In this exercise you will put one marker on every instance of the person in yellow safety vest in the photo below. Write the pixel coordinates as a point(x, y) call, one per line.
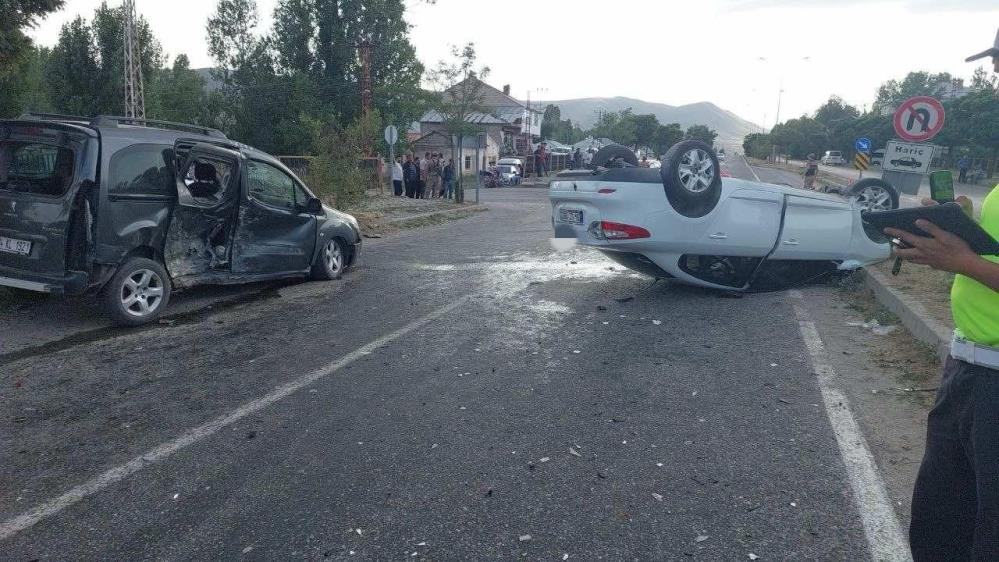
point(955, 504)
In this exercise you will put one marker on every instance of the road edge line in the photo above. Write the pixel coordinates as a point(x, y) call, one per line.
point(881, 526)
point(751, 170)
point(26, 520)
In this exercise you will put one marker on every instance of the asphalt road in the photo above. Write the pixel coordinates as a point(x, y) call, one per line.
point(467, 393)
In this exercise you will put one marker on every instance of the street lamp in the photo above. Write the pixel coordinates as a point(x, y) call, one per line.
point(780, 89)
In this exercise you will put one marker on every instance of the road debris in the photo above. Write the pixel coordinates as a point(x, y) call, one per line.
point(424, 543)
point(625, 299)
point(544, 459)
point(701, 538)
point(753, 556)
point(247, 549)
point(574, 452)
point(565, 556)
point(658, 497)
point(525, 538)
point(167, 321)
point(874, 326)
point(657, 322)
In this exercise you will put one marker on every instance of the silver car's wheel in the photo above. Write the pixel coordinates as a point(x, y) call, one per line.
point(696, 170)
point(142, 293)
point(874, 199)
point(873, 194)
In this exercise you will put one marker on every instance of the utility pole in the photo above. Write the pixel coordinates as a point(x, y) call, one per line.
point(364, 50)
point(135, 98)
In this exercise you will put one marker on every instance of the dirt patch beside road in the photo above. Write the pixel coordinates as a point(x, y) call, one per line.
point(385, 213)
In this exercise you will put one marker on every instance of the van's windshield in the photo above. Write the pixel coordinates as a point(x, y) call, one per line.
point(37, 161)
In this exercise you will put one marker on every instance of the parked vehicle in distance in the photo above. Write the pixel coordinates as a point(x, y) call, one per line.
point(833, 158)
point(130, 209)
point(686, 222)
point(909, 162)
point(510, 171)
point(878, 157)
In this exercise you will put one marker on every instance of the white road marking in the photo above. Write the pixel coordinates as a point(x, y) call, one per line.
point(884, 534)
point(751, 170)
point(52, 507)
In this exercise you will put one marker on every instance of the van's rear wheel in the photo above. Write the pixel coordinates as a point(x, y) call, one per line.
point(138, 293)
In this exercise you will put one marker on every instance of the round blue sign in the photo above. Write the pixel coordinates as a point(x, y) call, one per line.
point(863, 144)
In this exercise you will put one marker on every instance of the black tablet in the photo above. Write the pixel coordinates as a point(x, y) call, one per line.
point(949, 217)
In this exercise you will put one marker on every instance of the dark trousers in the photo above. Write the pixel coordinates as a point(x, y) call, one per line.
point(421, 189)
point(962, 176)
point(410, 188)
point(397, 187)
point(955, 506)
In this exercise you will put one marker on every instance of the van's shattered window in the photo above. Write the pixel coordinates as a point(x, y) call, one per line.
point(34, 167)
point(207, 180)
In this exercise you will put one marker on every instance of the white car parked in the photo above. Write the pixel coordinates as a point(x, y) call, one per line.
point(686, 222)
point(833, 158)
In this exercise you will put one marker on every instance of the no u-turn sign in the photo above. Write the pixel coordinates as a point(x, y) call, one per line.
point(919, 119)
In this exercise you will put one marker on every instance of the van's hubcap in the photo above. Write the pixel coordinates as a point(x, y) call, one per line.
point(334, 257)
point(142, 293)
point(696, 170)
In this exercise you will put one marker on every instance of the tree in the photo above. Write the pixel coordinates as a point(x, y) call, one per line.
point(551, 121)
point(459, 95)
point(892, 93)
point(701, 133)
point(666, 136)
point(18, 57)
point(757, 145)
point(834, 112)
point(73, 69)
point(180, 92)
point(645, 129)
point(333, 173)
point(982, 80)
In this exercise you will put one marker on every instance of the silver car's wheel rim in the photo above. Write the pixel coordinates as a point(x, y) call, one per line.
point(696, 170)
point(874, 199)
point(333, 257)
point(142, 293)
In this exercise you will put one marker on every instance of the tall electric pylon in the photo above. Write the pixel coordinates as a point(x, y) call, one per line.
point(135, 98)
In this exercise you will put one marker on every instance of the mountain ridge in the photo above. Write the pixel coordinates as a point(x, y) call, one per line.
point(730, 127)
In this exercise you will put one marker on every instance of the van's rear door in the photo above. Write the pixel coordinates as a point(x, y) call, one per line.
point(42, 166)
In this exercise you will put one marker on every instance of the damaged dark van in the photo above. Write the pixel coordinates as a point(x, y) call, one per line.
point(130, 210)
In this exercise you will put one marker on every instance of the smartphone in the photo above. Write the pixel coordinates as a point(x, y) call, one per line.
point(942, 186)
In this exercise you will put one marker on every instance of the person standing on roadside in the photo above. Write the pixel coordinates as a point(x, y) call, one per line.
point(577, 159)
point(955, 503)
point(962, 168)
point(411, 174)
point(397, 176)
point(811, 171)
point(434, 173)
point(447, 175)
point(423, 166)
point(541, 160)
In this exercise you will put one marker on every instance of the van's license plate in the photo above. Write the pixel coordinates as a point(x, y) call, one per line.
point(571, 216)
point(15, 246)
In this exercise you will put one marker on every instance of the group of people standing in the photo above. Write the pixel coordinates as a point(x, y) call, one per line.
point(423, 178)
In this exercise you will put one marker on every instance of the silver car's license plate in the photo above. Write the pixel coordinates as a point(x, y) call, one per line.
point(571, 216)
point(15, 246)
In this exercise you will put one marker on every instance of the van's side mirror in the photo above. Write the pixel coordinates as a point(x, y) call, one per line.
point(314, 206)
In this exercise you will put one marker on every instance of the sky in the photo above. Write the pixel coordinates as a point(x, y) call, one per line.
point(738, 54)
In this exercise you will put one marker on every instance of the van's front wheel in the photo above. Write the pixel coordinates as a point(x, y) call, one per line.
point(138, 292)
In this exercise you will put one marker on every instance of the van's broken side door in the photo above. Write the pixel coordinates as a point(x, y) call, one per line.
point(199, 240)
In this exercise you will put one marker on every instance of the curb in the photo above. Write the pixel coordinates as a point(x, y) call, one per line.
point(474, 208)
point(912, 314)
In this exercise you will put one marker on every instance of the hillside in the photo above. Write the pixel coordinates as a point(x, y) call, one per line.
point(731, 128)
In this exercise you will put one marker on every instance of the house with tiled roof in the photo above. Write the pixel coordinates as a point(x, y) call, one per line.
point(508, 125)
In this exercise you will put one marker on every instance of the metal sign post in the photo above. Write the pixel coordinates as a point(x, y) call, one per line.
point(862, 160)
point(391, 137)
point(916, 121)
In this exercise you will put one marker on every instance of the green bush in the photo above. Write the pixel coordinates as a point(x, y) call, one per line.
point(335, 173)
